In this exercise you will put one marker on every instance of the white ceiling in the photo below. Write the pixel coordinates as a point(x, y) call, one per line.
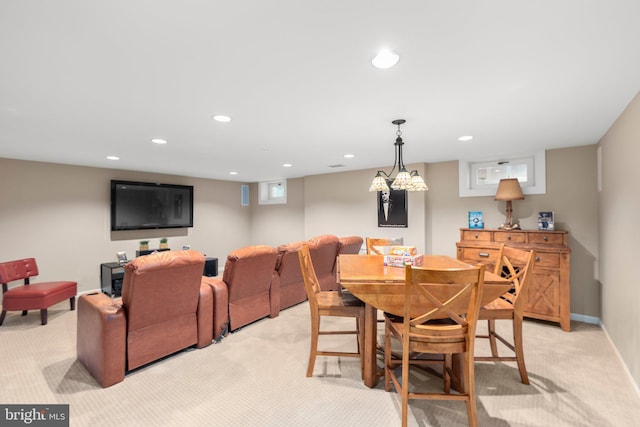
point(81, 80)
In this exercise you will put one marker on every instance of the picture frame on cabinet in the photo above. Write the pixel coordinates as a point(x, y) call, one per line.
point(475, 219)
point(545, 221)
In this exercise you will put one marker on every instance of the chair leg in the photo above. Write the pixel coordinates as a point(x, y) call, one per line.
point(2, 316)
point(387, 359)
point(517, 340)
point(404, 387)
point(315, 331)
point(43, 316)
point(491, 325)
point(24, 312)
point(446, 373)
point(470, 389)
point(72, 303)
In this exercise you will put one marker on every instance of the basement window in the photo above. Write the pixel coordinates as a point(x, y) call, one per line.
point(481, 178)
point(273, 192)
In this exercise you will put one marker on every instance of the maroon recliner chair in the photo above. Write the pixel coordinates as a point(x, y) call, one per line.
point(164, 308)
point(252, 281)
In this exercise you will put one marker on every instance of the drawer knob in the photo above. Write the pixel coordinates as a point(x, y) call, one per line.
point(508, 236)
point(483, 254)
point(537, 258)
point(545, 238)
point(476, 235)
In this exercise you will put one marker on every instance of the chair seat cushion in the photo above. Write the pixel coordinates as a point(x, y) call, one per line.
point(38, 295)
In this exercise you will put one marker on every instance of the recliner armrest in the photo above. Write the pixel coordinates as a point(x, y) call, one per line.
point(101, 337)
point(205, 316)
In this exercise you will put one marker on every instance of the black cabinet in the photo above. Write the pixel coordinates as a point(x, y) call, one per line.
point(111, 275)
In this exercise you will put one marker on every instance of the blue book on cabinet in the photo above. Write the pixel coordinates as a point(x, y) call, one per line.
point(475, 220)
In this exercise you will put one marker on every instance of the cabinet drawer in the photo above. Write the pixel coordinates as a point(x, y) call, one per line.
point(482, 255)
point(508, 237)
point(546, 259)
point(546, 238)
point(482, 236)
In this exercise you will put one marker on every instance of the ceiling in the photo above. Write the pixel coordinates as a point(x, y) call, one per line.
point(81, 80)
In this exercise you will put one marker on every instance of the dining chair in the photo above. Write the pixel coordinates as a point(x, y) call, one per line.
point(329, 303)
point(516, 265)
point(440, 313)
point(373, 245)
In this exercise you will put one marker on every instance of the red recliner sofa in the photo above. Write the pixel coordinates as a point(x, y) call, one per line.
point(164, 308)
point(253, 284)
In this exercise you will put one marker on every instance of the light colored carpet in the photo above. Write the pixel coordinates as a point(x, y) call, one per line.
point(256, 377)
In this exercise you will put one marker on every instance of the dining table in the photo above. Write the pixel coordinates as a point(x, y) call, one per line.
point(379, 287)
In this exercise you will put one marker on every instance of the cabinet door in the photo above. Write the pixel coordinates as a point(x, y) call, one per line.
point(543, 294)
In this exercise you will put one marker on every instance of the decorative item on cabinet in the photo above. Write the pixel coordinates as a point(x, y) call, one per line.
point(548, 296)
point(164, 243)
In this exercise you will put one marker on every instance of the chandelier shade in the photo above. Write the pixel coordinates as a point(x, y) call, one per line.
point(405, 180)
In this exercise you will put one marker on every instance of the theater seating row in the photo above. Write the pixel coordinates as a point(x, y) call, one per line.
point(152, 320)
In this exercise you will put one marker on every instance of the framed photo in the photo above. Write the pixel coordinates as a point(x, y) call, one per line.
point(545, 221)
point(475, 219)
point(392, 208)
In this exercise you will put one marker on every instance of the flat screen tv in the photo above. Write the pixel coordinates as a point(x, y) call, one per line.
point(145, 205)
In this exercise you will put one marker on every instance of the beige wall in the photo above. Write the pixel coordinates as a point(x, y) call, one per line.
point(619, 205)
point(60, 215)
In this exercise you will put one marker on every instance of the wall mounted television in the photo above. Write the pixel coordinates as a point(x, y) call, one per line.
point(145, 205)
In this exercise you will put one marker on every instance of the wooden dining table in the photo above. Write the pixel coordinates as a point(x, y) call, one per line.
point(378, 286)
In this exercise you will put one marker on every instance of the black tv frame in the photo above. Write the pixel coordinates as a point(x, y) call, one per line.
point(150, 185)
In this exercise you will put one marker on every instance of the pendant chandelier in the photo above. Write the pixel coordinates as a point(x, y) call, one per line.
point(409, 181)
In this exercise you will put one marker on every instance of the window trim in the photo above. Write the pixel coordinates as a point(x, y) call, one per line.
point(537, 184)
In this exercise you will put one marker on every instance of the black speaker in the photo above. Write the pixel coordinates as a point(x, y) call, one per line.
point(211, 267)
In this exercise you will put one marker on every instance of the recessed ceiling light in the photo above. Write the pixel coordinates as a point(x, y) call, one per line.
point(233, 173)
point(385, 59)
point(158, 141)
point(287, 165)
point(465, 138)
point(222, 118)
point(113, 157)
point(349, 156)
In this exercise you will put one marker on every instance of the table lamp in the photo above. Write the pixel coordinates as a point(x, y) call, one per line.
point(508, 190)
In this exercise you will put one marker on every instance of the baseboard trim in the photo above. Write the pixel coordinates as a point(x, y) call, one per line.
point(586, 319)
point(622, 362)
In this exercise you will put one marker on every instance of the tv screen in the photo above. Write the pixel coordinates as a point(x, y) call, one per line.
point(142, 205)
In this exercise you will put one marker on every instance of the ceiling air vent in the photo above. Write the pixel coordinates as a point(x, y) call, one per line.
point(336, 166)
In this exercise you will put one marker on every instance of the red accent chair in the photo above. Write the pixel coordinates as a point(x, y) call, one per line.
point(32, 296)
point(165, 307)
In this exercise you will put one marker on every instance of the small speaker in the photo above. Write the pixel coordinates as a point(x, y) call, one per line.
point(211, 267)
point(244, 195)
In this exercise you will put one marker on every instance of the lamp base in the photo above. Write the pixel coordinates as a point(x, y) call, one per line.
point(509, 227)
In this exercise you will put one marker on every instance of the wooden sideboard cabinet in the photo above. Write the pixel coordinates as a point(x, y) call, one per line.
point(547, 297)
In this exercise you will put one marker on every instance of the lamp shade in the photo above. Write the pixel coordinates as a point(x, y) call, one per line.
point(509, 189)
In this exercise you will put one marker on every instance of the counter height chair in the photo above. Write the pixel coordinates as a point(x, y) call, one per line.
point(516, 265)
point(329, 303)
point(452, 300)
point(374, 245)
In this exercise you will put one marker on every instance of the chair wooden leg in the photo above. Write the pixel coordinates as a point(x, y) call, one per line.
point(315, 331)
point(517, 340)
point(404, 387)
point(491, 325)
point(387, 360)
point(43, 316)
point(446, 372)
point(2, 316)
point(470, 389)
